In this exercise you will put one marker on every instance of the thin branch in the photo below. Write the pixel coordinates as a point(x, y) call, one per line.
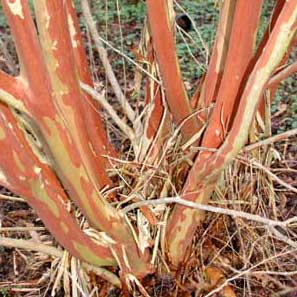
point(282, 273)
point(270, 140)
point(130, 60)
point(54, 252)
point(276, 178)
point(283, 74)
point(8, 197)
point(248, 148)
point(31, 246)
point(21, 229)
point(247, 271)
point(106, 64)
point(122, 125)
point(282, 237)
point(224, 211)
point(197, 31)
point(104, 273)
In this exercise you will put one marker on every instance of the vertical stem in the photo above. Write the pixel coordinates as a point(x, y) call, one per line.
point(218, 59)
point(97, 134)
point(164, 45)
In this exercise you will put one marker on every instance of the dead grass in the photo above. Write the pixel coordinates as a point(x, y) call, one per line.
point(245, 254)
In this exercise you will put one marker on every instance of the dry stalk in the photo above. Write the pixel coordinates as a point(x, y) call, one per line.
point(270, 140)
point(224, 211)
point(122, 125)
point(21, 229)
point(52, 251)
point(247, 271)
point(272, 175)
point(11, 198)
point(282, 74)
point(106, 64)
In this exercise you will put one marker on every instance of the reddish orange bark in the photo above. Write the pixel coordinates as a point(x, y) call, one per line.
point(94, 124)
point(23, 173)
point(164, 45)
point(53, 103)
point(206, 169)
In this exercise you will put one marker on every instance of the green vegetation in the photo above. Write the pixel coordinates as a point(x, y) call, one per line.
point(4, 292)
point(285, 105)
point(193, 50)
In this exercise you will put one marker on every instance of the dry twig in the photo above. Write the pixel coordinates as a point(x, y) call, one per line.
point(52, 251)
point(204, 207)
point(106, 64)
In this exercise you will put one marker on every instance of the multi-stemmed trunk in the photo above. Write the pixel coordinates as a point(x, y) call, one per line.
point(46, 98)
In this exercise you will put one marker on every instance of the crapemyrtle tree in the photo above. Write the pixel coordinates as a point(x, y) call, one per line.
point(54, 148)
